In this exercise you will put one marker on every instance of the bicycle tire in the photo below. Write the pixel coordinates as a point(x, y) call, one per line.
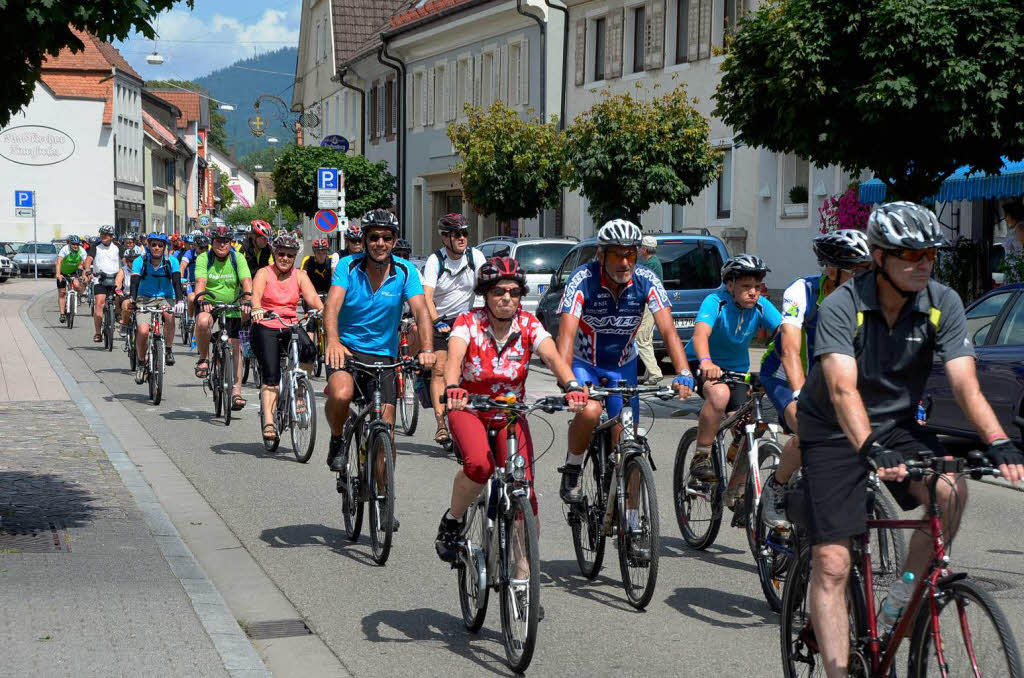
point(771, 562)
point(108, 325)
point(227, 381)
point(381, 495)
point(473, 609)
point(638, 578)
point(216, 380)
point(1001, 658)
point(888, 546)
point(586, 518)
point(409, 414)
point(519, 647)
point(71, 306)
point(156, 371)
point(698, 511)
point(303, 444)
point(133, 354)
point(351, 499)
point(318, 367)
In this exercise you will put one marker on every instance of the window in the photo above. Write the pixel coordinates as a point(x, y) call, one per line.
point(639, 32)
point(682, 31)
point(542, 258)
point(514, 61)
point(487, 80)
point(690, 264)
point(599, 47)
point(389, 106)
point(372, 112)
point(463, 86)
point(440, 90)
point(723, 189)
point(981, 317)
point(568, 266)
point(796, 174)
point(730, 17)
point(1012, 332)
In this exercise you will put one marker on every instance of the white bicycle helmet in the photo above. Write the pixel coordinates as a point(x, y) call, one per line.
point(904, 225)
point(620, 232)
point(742, 265)
point(844, 248)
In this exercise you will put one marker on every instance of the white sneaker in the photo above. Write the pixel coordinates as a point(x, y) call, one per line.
point(773, 498)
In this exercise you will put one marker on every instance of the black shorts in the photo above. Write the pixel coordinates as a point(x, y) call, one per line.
point(62, 283)
point(737, 392)
point(270, 343)
point(836, 481)
point(231, 325)
point(441, 340)
point(364, 389)
point(106, 289)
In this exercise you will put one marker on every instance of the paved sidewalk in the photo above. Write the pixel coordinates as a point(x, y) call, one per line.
point(85, 586)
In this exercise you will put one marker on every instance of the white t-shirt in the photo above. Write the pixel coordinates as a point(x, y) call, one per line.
point(453, 288)
point(106, 259)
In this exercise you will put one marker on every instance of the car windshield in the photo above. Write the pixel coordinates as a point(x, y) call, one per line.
point(6, 249)
point(542, 257)
point(38, 248)
point(690, 265)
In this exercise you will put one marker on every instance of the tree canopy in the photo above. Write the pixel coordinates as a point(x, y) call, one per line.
point(31, 29)
point(261, 210)
point(266, 157)
point(627, 153)
point(910, 89)
point(511, 168)
point(368, 185)
point(218, 135)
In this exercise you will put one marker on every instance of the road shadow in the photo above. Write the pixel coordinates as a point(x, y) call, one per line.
point(716, 554)
point(136, 397)
point(433, 450)
point(30, 500)
point(283, 453)
point(719, 608)
point(424, 625)
point(565, 575)
point(205, 416)
point(116, 370)
point(315, 535)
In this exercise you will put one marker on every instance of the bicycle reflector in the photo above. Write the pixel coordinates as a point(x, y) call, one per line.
point(519, 468)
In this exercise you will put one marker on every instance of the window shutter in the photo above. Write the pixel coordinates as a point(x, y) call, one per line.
point(394, 106)
point(450, 73)
point(524, 72)
point(613, 50)
point(654, 35)
point(478, 80)
point(504, 80)
point(581, 51)
point(380, 110)
point(410, 120)
point(428, 119)
point(699, 39)
point(513, 74)
point(371, 110)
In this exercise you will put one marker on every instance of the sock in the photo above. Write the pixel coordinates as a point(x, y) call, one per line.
point(703, 451)
point(632, 518)
point(575, 459)
point(448, 516)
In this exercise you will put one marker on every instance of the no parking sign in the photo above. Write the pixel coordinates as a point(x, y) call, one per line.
point(326, 220)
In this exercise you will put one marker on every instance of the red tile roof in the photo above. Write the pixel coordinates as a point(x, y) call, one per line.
point(97, 56)
point(188, 102)
point(357, 20)
point(158, 131)
point(422, 11)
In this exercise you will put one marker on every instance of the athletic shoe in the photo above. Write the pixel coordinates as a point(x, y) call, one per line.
point(337, 459)
point(570, 491)
point(447, 542)
point(701, 468)
point(774, 500)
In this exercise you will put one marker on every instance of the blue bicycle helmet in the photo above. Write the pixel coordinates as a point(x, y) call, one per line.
point(74, 240)
point(160, 237)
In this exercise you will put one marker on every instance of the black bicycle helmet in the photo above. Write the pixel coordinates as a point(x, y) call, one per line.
point(842, 249)
point(744, 265)
point(402, 248)
point(452, 222)
point(904, 226)
point(379, 218)
point(495, 270)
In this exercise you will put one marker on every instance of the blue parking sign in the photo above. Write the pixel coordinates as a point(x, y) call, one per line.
point(24, 199)
point(327, 179)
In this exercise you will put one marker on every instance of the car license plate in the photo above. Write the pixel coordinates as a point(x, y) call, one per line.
point(542, 288)
point(682, 323)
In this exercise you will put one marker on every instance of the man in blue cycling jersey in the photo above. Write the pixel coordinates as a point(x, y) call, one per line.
point(726, 323)
point(601, 310)
point(843, 254)
point(156, 281)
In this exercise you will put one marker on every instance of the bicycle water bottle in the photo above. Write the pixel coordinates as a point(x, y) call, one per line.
point(895, 602)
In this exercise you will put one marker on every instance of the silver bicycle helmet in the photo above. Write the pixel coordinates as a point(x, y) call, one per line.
point(743, 265)
point(842, 249)
point(106, 230)
point(904, 226)
point(286, 241)
point(620, 232)
point(379, 218)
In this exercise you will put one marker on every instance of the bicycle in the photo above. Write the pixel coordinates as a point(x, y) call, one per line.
point(408, 403)
point(107, 323)
point(499, 536)
point(610, 479)
point(129, 342)
point(367, 440)
point(71, 300)
point(294, 389)
point(221, 376)
point(155, 356)
point(186, 321)
point(320, 340)
point(874, 652)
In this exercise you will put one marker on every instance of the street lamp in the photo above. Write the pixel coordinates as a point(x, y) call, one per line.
point(259, 167)
point(154, 59)
point(226, 107)
point(272, 140)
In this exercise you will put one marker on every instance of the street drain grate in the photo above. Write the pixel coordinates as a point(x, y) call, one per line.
point(278, 628)
point(992, 585)
point(48, 538)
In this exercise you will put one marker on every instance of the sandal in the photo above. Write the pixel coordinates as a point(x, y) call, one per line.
point(442, 437)
point(202, 368)
point(270, 435)
point(96, 338)
point(237, 402)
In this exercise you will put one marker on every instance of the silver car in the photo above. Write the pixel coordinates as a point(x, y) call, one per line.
point(43, 253)
point(539, 257)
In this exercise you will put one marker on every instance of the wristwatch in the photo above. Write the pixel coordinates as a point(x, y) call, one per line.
point(572, 386)
point(796, 395)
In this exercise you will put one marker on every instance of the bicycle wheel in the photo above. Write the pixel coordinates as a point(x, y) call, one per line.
point(303, 428)
point(520, 590)
point(108, 325)
point(698, 503)
point(216, 379)
point(71, 306)
point(380, 476)
point(408, 404)
point(318, 367)
point(246, 362)
point(227, 381)
point(640, 541)
point(976, 638)
point(473, 591)
point(888, 546)
point(129, 346)
point(771, 548)
point(587, 517)
point(348, 486)
point(156, 371)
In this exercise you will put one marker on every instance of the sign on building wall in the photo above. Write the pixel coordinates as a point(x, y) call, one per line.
point(35, 145)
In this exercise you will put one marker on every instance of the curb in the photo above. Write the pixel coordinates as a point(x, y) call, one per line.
point(239, 657)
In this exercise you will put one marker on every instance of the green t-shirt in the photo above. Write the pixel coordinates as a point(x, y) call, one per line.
point(223, 283)
point(654, 263)
point(71, 260)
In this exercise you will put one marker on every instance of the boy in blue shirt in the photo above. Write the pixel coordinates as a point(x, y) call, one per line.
point(726, 323)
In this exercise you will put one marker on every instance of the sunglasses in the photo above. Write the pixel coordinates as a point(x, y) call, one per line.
point(914, 256)
point(285, 255)
point(628, 255)
point(499, 292)
point(157, 244)
point(459, 234)
point(221, 241)
point(376, 238)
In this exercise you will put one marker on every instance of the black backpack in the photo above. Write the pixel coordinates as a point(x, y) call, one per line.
point(441, 256)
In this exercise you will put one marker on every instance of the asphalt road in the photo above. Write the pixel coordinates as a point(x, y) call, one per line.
point(708, 614)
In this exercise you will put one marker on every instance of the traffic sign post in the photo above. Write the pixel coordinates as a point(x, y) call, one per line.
point(326, 221)
point(24, 207)
point(330, 189)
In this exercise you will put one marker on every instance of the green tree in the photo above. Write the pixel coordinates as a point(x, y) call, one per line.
point(224, 192)
point(266, 157)
point(218, 136)
point(511, 168)
point(239, 215)
point(909, 89)
point(627, 153)
point(32, 29)
point(367, 185)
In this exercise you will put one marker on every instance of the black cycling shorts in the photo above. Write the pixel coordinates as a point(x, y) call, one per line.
point(737, 392)
point(837, 476)
point(364, 390)
point(270, 343)
point(103, 289)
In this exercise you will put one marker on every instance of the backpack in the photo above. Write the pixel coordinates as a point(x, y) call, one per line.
point(441, 256)
point(166, 265)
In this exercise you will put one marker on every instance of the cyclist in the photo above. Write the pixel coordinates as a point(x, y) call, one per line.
point(70, 262)
point(876, 340)
point(155, 282)
point(843, 254)
point(489, 354)
point(122, 284)
point(277, 289)
point(224, 275)
point(318, 266)
point(353, 236)
point(131, 245)
point(105, 261)
point(726, 323)
point(403, 249)
point(256, 250)
point(362, 315)
point(188, 268)
point(449, 277)
point(601, 310)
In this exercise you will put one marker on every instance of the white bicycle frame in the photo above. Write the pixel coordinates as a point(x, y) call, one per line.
point(751, 449)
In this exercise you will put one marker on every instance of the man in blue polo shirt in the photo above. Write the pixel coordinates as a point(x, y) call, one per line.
point(362, 314)
point(156, 281)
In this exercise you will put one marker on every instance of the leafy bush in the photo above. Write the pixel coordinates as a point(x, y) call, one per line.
point(798, 195)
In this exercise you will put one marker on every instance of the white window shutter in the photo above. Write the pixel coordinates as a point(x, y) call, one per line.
point(503, 69)
point(394, 105)
point(428, 97)
point(468, 89)
point(381, 99)
point(445, 86)
point(410, 120)
point(478, 81)
point(524, 72)
point(513, 74)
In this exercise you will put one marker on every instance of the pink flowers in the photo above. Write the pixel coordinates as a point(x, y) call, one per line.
point(844, 211)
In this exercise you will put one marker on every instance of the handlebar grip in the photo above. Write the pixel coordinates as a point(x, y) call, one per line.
point(882, 429)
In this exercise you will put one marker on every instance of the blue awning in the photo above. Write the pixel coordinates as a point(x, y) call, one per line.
point(960, 186)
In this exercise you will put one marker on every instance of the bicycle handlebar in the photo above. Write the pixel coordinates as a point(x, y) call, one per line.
point(154, 309)
point(660, 392)
point(404, 363)
point(976, 465)
point(740, 378)
point(289, 321)
point(482, 403)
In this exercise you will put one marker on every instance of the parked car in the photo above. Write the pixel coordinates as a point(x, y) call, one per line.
point(995, 324)
point(539, 258)
point(8, 269)
point(45, 253)
point(692, 265)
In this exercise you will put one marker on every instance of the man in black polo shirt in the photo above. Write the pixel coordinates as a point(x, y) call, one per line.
point(876, 339)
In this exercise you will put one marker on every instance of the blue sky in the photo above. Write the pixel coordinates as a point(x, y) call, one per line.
point(213, 35)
